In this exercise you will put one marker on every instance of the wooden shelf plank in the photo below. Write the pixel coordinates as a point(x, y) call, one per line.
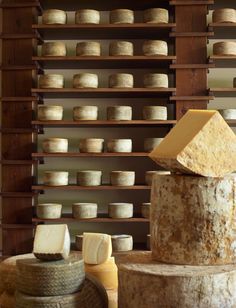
point(192, 34)
point(16, 226)
point(16, 130)
point(222, 25)
point(192, 2)
point(223, 92)
point(192, 66)
point(231, 123)
point(103, 123)
point(191, 98)
point(19, 99)
point(223, 61)
point(104, 31)
point(103, 92)
point(75, 154)
point(41, 187)
point(17, 162)
point(18, 194)
point(104, 62)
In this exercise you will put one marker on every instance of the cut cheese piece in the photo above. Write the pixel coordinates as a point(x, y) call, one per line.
point(106, 273)
point(201, 143)
point(146, 283)
point(52, 242)
point(96, 248)
point(7, 300)
point(112, 298)
point(192, 219)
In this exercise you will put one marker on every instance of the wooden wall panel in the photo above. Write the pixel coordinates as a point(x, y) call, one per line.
point(17, 146)
point(22, 214)
point(17, 241)
point(16, 114)
point(17, 178)
point(195, 82)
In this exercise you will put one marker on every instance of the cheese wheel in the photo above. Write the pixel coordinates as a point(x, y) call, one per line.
point(150, 174)
point(145, 210)
point(122, 242)
point(148, 242)
point(56, 178)
point(89, 178)
point(7, 300)
point(122, 178)
point(54, 49)
point(224, 15)
point(81, 113)
point(48, 113)
point(155, 48)
point(85, 80)
point(228, 114)
point(192, 219)
point(87, 16)
point(106, 273)
point(146, 283)
point(55, 145)
point(8, 272)
point(156, 15)
point(226, 48)
point(119, 113)
point(121, 81)
point(86, 49)
point(112, 298)
point(92, 294)
point(151, 143)
point(84, 210)
point(79, 242)
point(54, 278)
point(154, 113)
point(156, 81)
point(120, 210)
point(54, 16)
point(49, 210)
point(122, 16)
point(91, 145)
point(51, 81)
point(121, 48)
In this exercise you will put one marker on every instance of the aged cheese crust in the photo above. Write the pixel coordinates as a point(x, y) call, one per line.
point(146, 283)
point(192, 219)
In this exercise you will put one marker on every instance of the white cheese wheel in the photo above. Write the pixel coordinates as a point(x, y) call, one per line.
point(91, 145)
point(122, 242)
point(119, 113)
point(8, 272)
point(88, 49)
point(112, 298)
point(156, 15)
point(85, 80)
point(121, 210)
point(54, 49)
point(87, 16)
point(151, 143)
point(122, 16)
point(154, 113)
point(50, 113)
point(227, 48)
point(193, 217)
point(51, 81)
point(49, 210)
point(55, 145)
point(89, 178)
point(54, 16)
point(54, 278)
point(146, 283)
point(155, 48)
point(156, 81)
point(121, 48)
point(224, 15)
point(55, 178)
point(106, 273)
point(84, 210)
point(122, 178)
point(228, 114)
point(87, 113)
point(119, 145)
point(7, 300)
point(121, 81)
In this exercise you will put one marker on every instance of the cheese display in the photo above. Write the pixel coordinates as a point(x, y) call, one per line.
point(106, 273)
point(201, 143)
point(146, 283)
point(192, 217)
point(97, 248)
point(52, 242)
point(8, 272)
point(122, 242)
point(91, 295)
point(50, 278)
point(7, 300)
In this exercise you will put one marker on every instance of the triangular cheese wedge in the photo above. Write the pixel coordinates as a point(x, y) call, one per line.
point(201, 143)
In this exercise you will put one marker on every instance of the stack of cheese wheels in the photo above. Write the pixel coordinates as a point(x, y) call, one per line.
point(97, 250)
point(192, 262)
point(227, 48)
point(224, 15)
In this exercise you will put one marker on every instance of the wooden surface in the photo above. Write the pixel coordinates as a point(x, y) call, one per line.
point(41, 187)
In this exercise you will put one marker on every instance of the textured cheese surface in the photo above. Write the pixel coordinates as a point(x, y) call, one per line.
point(97, 248)
point(112, 298)
point(52, 242)
point(106, 273)
point(146, 283)
point(192, 219)
point(201, 143)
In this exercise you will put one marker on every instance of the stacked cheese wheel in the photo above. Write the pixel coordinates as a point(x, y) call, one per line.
point(193, 258)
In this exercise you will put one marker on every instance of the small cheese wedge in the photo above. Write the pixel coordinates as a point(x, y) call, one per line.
point(97, 248)
point(52, 242)
point(201, 143)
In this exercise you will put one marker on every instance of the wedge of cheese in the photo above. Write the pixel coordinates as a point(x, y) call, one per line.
point(52, 242)
point(97, 248)
point(201, 143)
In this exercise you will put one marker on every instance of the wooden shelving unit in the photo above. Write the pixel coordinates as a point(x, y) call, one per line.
point(42, 188)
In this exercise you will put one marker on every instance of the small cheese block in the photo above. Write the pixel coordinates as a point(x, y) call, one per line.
point(106, 273)
point(201, 143)
point(97, 248)
point(7, 300)
point(52, 242)
point(112, 298)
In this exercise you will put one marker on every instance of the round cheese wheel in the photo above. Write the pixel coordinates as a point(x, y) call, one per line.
point(54, 16)
point(224, 15)
point(54, 49)
point(227, 48)
point(122, 16)
point(87, 16)
point(48, 113)
point(122, 242)
point(51, 81)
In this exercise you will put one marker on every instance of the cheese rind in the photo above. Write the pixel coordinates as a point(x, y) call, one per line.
point(52, 242)
point(97, 248)
point(192, 219)
point(201, 143)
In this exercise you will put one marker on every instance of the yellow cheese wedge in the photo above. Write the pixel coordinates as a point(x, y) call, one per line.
point(106, 273)
point(201, 143)
point(97, 248)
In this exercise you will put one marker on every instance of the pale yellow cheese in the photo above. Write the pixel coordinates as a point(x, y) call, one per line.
point(52, 242)
point(97, 248)
point(201, 143)
point(106, 273)
point(112, 298)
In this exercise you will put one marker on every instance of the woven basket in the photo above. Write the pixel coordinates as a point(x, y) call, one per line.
point(121, 16)
point(226, 48)
point(121, 48)
point(92, 294)
point(54, 49)
point(54, 17)
point(52, 278)
point(51, 81)
point(156, 15)
point(87, 17)
point(88, 49)
point(7, 300)
point(155, 48)
point(224, 15)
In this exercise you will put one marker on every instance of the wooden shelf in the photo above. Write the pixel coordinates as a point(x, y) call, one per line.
point(223, 92)
point(67, 218)
point(192, 2)
point(75, 154)
point(18, 194)
point(16, 226)
point(231, 123)
point(191, 34)
point(223, 30)
point(16, 130)
point(104, 31)
point(19, 99)
point(19, 5)
point(191, 98)
point(41, 187)
point(104, 123)
point(104, 62)
point(223, 61)
point(103, 92)
point(192, 66)
point(17, 162)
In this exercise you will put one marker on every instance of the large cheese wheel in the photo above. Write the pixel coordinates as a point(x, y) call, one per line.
point(146, 283)
point(7, 300)
point(8, 272)
point(91, 295)
point(50, 278)
point(192, 219)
